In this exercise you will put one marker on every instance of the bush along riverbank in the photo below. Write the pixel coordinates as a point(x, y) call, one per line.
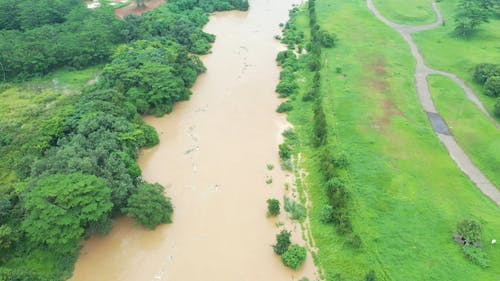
point(80, 171)
point(315, 145)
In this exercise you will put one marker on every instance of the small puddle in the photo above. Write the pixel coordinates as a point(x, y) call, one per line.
point(212, 159)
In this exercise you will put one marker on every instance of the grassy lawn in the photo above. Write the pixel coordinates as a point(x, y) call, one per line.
point(475, 133)
point(407, 12)
point(24, 106)
point(445, 51)
point(407, 193)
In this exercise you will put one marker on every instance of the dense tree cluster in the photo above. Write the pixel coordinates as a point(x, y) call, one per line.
point(73, 37)
point(77, 170)
point(472, 13)
point(488, 75)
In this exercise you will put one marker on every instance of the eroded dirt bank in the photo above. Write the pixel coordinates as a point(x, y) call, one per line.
point(212, 159)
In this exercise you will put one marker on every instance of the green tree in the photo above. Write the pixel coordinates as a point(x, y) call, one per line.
point(469, 16)
point(492, 86)
point(149, 206)
point(273, 207)
point(295, 256)
point(59, 208)
point(282, 242)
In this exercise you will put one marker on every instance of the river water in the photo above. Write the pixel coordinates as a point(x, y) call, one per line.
point(212, 159)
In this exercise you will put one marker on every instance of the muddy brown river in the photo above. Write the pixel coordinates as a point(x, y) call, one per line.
point(212, 159)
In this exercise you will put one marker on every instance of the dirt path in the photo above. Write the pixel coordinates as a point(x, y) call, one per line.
point(439, 125)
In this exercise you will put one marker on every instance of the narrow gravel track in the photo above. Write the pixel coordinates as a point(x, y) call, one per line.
point(439, 125)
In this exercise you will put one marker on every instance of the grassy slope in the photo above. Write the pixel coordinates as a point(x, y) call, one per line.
point(477, 135)
point(443, 50)
point(407, 12)
point(27, 104)
point(407, 194)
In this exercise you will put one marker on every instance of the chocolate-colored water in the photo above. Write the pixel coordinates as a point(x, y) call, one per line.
point(212, 158)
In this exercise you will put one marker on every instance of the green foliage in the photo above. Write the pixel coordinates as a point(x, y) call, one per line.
point(295, 256)
point(273, 207)
point(469, 17)
point(270, 166)
point(497, 107)
point(76, 38)
point(484, 71)
point(327, 214)
point(60, 207)
point(476, 255)
point(7, 236)
point(285, 151)
point(149, 206)
point(492, 86)
point(296, 210)
point(371, 276)
point(284, 107)
point(282, 242)
point(326, 39)
point(471, 230)
point(22, 275)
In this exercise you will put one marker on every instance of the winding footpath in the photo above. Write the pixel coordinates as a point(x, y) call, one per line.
point(439, 125)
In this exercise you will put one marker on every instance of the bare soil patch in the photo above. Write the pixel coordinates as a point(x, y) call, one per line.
point(133, 9)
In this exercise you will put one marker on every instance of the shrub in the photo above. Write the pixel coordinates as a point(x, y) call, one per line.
point(476, 255)
point(284, 107)
point(284, 56)
point(295, 256)
point(285, 151)
point(370, 276)
point(282, 242)
point(327, 214)
point(273, 207)
point(326, 39)
point(484, 71)
point(497, 107)
point(492, 86)
point(471, 231)
point(296, 210)
point(355, 241)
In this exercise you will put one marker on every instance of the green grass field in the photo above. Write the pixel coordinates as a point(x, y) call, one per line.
point(407, 12)
point(474, 131)
point(407, 193)
point(443, 50)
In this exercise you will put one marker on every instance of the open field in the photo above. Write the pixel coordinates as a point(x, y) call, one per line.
point(407, 194)
point(407, 12)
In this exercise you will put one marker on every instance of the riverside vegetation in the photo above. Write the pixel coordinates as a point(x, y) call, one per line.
point(69, 148)
point(397, 217)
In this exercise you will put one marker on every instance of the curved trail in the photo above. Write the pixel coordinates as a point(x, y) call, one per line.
point(438, 124)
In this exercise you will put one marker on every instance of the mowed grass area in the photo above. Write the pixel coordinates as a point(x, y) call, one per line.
point(472, 129)
point(443, 50)
point(24, 106)
point(413, 12)
point(407, 194)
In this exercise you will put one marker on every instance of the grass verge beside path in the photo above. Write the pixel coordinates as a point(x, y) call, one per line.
point(413, 12)
point(407, 194)
point(475, 132)
point(445, 51)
